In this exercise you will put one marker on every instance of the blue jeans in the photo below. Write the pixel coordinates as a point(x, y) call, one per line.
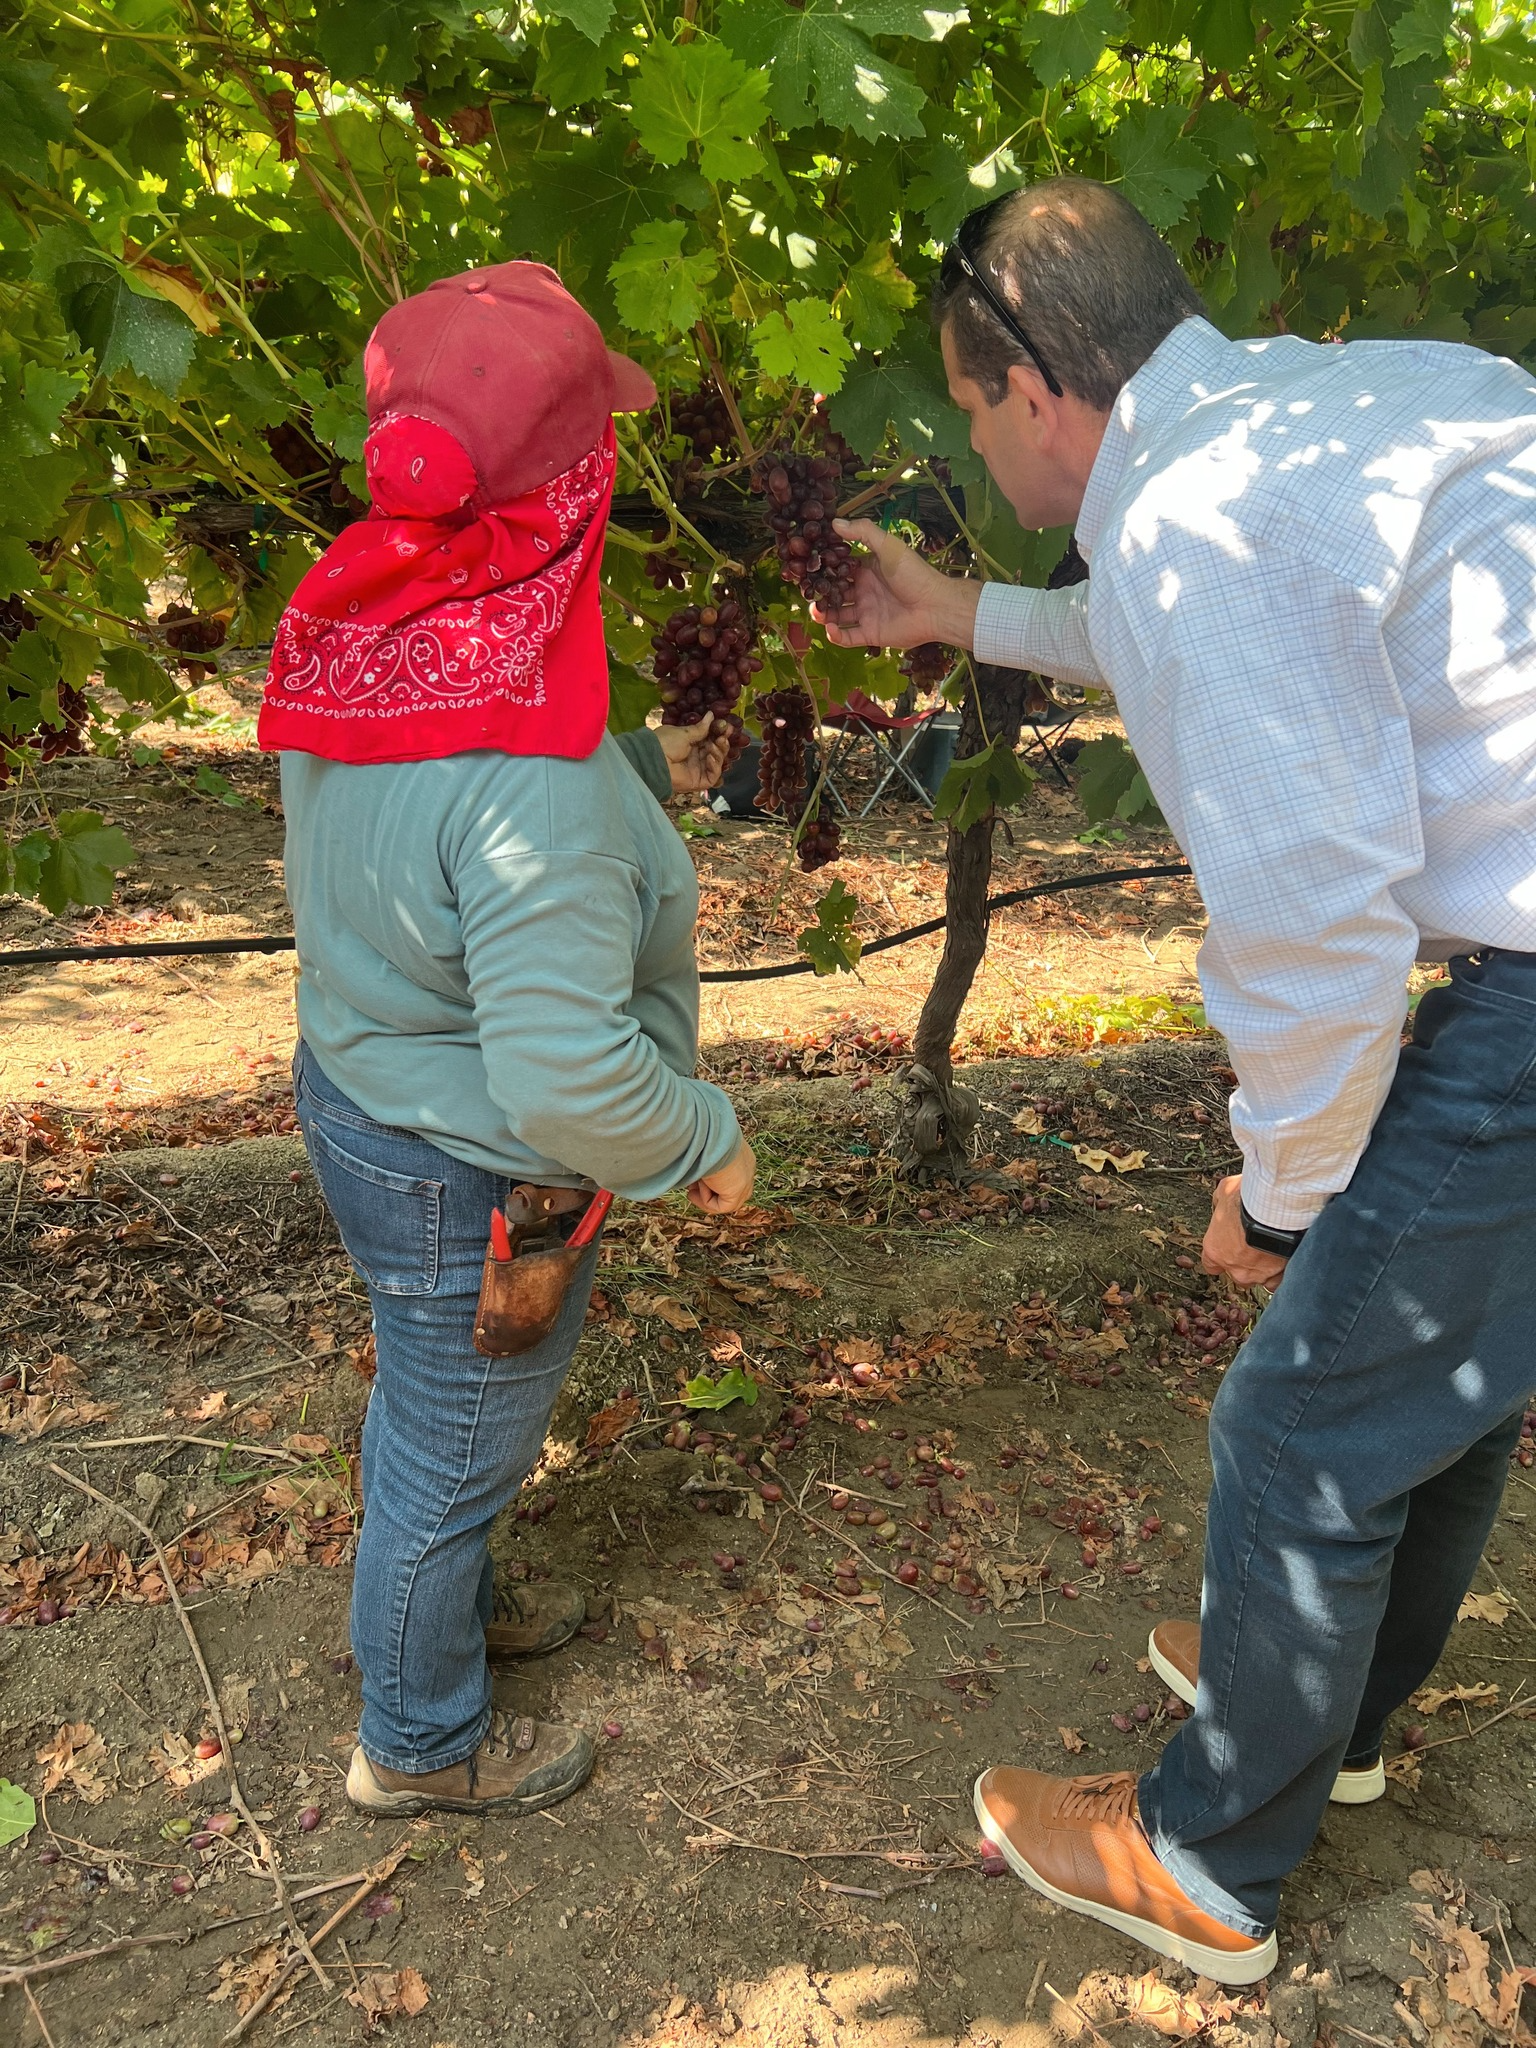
point(1359, 1447)
point(449, 1436)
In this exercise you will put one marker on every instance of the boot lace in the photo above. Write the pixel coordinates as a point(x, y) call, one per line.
point(510, 1734)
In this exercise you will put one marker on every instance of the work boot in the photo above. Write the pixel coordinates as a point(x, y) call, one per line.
point(1173, 1648)
point(520, 1766)
point(1080, 1842)
point(531, 1617)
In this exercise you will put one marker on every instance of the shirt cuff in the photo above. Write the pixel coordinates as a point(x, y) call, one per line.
point(1044, 630)
point(1269, 1204)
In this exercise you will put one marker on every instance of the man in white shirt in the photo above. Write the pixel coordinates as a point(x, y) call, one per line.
point(1313, 592)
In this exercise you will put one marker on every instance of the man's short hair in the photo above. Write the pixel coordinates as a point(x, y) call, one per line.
point(1089, 279)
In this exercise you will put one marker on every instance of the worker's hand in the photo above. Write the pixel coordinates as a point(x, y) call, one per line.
point(695, 758)
point(729, 1187)
point(898, 599)
point(1227, 1250)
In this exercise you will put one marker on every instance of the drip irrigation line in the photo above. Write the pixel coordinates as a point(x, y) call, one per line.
point(182, 949)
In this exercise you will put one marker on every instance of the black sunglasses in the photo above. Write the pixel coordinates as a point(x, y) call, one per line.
point(960, 254)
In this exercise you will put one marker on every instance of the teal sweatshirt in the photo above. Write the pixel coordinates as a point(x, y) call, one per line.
point(497, 952)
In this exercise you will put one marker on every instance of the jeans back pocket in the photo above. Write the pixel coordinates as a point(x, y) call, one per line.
point(389, 1222)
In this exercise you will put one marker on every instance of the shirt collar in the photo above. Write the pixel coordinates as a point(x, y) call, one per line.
point(1173, 376)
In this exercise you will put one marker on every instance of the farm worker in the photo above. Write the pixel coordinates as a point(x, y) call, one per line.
point(1313, 592)
point(495, 933)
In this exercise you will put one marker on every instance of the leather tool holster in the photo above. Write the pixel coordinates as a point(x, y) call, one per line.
point(520, 1297)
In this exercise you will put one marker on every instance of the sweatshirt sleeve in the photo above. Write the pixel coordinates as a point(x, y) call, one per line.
point(549, 946)
point(642, 750)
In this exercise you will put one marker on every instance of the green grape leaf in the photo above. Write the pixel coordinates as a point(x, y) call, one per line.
point(699, 93)
point(734, 1385)
point(139, 679)
point(337, 412)
point(19, 567)
point(631, 697)
point(81, 861)
point(1161, 169)
point(1421, 31)
point(1063, 46)
point(1223, 34)
point(804, 342)
point(590, 16)
point(830, 944)
point(904, 389)
point(377, 40)
point(574, 70)
point(657, 289)
point(126, 330)
point(1110, 784)
point(18, 1813)
point(821, 64)
point(878, 294)
point(993, 780)
point(33, 113)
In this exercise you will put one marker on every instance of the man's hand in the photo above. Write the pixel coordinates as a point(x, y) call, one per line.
point(729, 1187)
point(695, 757)
point(1227, 1250)
point(898, 599)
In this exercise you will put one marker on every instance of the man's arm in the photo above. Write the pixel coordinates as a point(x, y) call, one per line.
point(1269, 724)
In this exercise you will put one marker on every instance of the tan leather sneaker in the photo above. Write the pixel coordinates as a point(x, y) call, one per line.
point(520, 1766)
point(532, 1618)
point(1173, 1649)
point(1080, 1842)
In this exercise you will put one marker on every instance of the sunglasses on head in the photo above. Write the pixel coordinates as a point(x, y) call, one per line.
point(962, 255)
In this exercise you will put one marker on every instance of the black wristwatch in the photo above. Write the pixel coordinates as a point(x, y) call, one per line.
point(1265, 1238)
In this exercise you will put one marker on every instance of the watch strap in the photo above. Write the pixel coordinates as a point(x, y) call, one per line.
point(1265, 1237)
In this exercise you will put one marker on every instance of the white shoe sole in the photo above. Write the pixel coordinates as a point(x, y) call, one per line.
point(1350, 1788)
point(1219, 1964)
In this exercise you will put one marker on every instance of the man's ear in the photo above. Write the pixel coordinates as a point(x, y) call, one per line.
point(1026, 385)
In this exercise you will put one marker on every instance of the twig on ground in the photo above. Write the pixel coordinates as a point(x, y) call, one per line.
point(37, 2014)
point(21, 1973)
point(170, 1216)
point(897, 1857)
point(1072, 2006)
point(379, 1874)
point(209, 1443)
point(237, 1797)
point(1503, 1714)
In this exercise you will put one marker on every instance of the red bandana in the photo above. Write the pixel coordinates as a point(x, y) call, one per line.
point(431, 628)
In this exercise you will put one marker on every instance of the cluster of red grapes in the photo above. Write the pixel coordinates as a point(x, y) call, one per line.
point(665, 567)
point(704, 659)
point(821, 840)
point(789, 724)
point(703, 418)
point(191, 634)
point(926, 667)
point(832, 443)
point(49, 741)
point(802, 496)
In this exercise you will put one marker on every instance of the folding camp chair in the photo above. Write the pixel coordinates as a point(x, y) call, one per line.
point(859, 720)
point(1061, 718)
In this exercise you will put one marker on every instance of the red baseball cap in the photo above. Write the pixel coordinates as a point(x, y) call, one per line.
point(507, 363)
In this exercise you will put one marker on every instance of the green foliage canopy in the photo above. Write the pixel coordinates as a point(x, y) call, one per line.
point(205, 204)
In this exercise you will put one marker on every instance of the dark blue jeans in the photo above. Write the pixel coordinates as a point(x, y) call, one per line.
point(449, 1437)
point(1360, 1445)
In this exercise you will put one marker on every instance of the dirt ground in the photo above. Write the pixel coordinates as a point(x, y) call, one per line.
point(1009, 1386)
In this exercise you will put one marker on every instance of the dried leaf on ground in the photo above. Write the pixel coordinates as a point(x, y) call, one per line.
point(76, 1760)
point(209, 1406)
point(1072, 1741)
point(389, 1995)
point(246, 1979)
point(1492, 1607)
point(1104, 1997)
point(474, 1873)
point(610, 1423)
point(1096, 1161)
point(1430, 1699)
point(666, 1306)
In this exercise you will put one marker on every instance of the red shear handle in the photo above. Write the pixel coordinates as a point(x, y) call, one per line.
point(591, 1221)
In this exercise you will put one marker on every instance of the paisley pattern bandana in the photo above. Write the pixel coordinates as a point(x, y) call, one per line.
point(432, 628)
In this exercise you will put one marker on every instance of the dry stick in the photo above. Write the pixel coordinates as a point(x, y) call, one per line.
point(888, 1856)
point(841, 1536)
point(37, 2014)
point(209, 1443)
point(1072, 2006)
point(727, 395)
point(1514, 1707)
point(172, 1218)
point(236, 1793)
point(20, 1973)
point(377, 1876)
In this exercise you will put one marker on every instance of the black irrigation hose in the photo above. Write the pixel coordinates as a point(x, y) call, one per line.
point(186, 948)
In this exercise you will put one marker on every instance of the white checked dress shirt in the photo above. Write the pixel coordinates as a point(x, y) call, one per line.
point(1313, 593)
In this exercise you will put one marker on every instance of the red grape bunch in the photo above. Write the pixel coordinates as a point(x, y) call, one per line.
point(822, 839)
point(704, 660)
point(789, 724)
point(802, 497)
point(926, 667)
point(665, 567)
point(833, 444)
point(703, 418)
